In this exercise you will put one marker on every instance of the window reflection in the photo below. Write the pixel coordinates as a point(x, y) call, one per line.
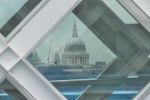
point(8, 9)
point(120, 11)
point(13, 12)
point(92, 50)
point(70, 52)
point(77, 54)
point(9, 92)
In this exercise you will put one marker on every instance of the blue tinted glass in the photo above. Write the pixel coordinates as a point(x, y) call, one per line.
point(95, 54)
point(77, 54)
point(9, 92)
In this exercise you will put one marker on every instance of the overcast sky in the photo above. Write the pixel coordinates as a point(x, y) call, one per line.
point(96, 49)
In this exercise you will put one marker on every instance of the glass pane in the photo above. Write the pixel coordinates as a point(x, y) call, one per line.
point(9, 92)
point(13, 12)
point(77, 54)
point(120, 11)
point(8, 9)
point(93, 54)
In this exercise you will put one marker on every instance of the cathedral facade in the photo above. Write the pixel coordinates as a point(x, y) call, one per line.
point(75, 51)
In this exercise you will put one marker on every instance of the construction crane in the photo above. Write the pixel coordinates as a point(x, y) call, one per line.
point(48, 55)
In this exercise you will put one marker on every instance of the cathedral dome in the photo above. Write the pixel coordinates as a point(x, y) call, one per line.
point(75, 44)
point(75, 51)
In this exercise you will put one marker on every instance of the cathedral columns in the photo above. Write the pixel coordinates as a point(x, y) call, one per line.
point(72, 60)
point(84, 60)
point(79, 60)
point(75, 61)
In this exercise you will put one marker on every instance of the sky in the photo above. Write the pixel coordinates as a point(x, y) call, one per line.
point(59, 36)
point(96, 49)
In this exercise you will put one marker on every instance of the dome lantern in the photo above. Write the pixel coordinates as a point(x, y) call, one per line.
point(74, 34)
point(75, 43)
point(75, 51)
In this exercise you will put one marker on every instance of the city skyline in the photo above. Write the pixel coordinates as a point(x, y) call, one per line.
point(59, 36)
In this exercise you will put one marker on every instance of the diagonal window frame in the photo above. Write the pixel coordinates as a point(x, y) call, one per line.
point(23, 52)
point(137, 9)
point(126, 69)
point(24, 21)
point(14, 49)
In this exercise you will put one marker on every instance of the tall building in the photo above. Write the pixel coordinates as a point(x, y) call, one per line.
point(75, 51)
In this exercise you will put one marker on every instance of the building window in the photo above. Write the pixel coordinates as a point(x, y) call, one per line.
point(13, 13)
point(92, 53)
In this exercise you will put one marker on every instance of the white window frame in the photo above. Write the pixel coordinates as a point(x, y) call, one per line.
point(13, 63)
point(136, 10)
point(24, 21)
point(13, 53)
point(140, 10)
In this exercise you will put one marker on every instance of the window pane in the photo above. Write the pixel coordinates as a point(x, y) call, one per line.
point(13, 12)
point(77, 54)
point(93, 55)
point(120, 11)
point(9, 92)
point(8, 9)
